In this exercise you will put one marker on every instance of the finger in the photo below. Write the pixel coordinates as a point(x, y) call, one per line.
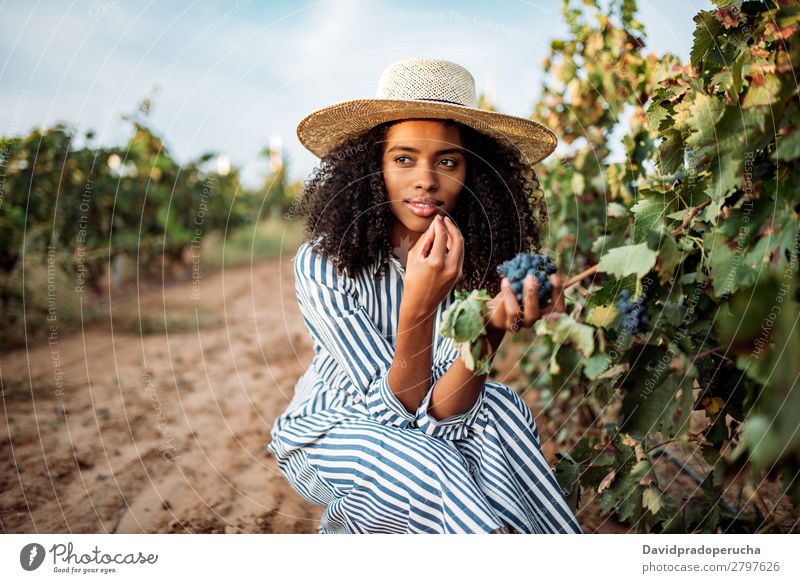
point(531, 299)
point(559, 298)
point(455, 253)
point(430, 237)
point(558, 303)
point(512, 309)
point(440, 241)
point(453, 232)
point(495, 308)
point(498, 308)
point(427, 239)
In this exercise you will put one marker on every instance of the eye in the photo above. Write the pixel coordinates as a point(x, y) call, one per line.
point(451, 163)
point(401, 159)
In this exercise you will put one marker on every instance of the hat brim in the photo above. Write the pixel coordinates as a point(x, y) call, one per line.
point(321, 131)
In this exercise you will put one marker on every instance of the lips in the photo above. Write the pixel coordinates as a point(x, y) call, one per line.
point(424, 200)
point(423, 207)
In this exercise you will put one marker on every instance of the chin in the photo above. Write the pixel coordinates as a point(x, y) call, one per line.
point(419, 224)
point(414, 223)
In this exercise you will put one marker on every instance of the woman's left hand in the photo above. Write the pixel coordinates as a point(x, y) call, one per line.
point(506, 313)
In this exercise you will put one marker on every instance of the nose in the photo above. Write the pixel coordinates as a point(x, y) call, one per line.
point(426, 180)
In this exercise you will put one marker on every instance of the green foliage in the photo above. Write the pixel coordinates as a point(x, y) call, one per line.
point(90, 207)
point(464, 322)
point(702, 216)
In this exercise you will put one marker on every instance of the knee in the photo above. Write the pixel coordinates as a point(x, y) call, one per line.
point(413, 457)
point(504, 401)
point(439, 458)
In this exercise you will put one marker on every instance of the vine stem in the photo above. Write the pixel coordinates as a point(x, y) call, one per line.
point(582, 275)
point(690, 216)
point(768, 515)
point(593, 269)
point(707, 352)
point(684, 468)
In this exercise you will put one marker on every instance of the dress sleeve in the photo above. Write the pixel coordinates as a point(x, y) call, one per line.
point(453, 427)
point(340, 325)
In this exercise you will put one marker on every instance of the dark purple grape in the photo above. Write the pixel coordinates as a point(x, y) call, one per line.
point(524, 264)
point(635, 316)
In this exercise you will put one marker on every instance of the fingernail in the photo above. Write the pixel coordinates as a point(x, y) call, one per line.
point(504, 283)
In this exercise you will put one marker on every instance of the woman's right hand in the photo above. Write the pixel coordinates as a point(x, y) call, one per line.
point(433, 266)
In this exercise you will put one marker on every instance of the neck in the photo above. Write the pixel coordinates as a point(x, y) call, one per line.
point(402, 240)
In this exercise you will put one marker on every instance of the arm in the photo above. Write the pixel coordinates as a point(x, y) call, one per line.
point(455, 399)
point(410, 374)
point(459, 388)
point(360, 359)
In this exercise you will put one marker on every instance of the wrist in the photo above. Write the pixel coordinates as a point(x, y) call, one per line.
point(495, 337)
point(416, 314)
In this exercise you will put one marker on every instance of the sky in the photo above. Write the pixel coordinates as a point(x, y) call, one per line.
point(227, 76)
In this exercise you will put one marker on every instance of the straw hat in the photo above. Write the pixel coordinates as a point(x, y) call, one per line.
point(422, 88)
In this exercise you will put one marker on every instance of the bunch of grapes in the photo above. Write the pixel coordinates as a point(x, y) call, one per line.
point(635, 316)
point(524, 264)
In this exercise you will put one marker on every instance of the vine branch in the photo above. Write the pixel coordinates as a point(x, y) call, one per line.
point(593, 269)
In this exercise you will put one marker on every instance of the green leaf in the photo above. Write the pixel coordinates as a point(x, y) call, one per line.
point(650, 212)
point(705, 36)
point(628, 260)
point(625, 496)
point(595, 365)
point(736, 73)
point(648, 388)
point(728, 274)
point(668, 254)
point(469, 324)
point(763, 93)
point(567, 473)
point(704, 114)
point(463, 321)
point(651, 499)
point(471, 355)
point(602, 316)
point(565, 329)
point(608, 291)
point(788, 147)
point(670, 152)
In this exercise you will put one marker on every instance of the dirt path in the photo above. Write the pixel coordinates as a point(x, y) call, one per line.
point(163, 432)
point(167, 432)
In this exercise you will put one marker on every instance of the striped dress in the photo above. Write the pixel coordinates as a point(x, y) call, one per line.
point(346, 443)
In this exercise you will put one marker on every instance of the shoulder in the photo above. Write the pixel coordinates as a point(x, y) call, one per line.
point(312, 264)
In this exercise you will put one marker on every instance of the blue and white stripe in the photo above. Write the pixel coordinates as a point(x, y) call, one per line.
point(348, 444)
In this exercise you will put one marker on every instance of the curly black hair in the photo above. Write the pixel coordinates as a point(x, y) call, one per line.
point(500, 210)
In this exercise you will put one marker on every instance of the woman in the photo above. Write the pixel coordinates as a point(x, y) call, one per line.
point(418, 193)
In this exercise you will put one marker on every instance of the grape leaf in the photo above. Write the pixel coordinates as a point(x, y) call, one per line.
point(650, 211)
point(704, 114)
point(651, 499)
point(670, 152)
point(595, 365)
point(788, 147)
point(567, 473)
point(628, 260)
point(705, 36)
point(608, 291)
point(649, 389)
point(565, 329)
point(602, 316)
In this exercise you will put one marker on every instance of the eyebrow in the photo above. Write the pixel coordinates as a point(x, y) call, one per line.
point(416, 151)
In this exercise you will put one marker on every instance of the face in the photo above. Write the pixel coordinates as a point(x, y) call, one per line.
point(422, 159)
